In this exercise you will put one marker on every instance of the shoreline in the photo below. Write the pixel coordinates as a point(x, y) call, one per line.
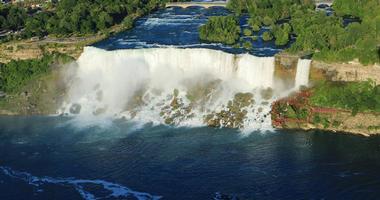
point(309, 129)
point(286, 114)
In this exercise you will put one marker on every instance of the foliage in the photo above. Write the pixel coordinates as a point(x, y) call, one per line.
point(274, 9)
point(12, 17)
point(224, 29)
point(255, 23)
point(324, 35)
point(267, 21)
point(356, 96)
point(36, 26)
point(247, 32)
point(75, 16)
point(267, 36)
point(331, 40)
point(16, 73)
point(281, 33)
point(256, 28)
point(247, 45)
point(292, 111)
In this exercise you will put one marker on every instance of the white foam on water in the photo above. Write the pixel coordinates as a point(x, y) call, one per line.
point(114, 190)
point(172, 21)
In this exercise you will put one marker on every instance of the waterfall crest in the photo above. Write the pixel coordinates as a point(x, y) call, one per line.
point(174, 86)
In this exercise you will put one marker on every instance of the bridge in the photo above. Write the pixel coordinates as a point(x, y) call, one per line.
point(197, 4)
point(210, 4)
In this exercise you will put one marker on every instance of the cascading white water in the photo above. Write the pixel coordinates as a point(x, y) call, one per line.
point(303, 71)
point(257, 71)
point(139, 83)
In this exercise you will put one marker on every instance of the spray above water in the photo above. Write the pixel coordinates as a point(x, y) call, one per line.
point(182, 87)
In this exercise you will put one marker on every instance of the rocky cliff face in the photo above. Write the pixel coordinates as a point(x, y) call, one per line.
point(286, 67)
point(31, 49)
point(352, 71)
point(25, 51)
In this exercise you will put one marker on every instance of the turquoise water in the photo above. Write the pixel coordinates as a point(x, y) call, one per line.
point(60, 158)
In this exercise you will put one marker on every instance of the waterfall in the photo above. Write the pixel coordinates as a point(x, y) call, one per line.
point(303, 73)
point(172, 86)
point(257, 71)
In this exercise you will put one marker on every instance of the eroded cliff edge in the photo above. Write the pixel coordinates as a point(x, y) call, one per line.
point(297, 112)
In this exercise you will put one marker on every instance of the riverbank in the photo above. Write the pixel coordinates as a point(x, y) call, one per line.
point(40, 94)
point(297, 112)
point(35, 48)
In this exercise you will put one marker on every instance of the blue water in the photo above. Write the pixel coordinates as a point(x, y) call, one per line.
point(57, 158)
point(178, 27)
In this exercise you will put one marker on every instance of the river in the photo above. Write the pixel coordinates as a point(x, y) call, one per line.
point(55, 158)
point(177, 27)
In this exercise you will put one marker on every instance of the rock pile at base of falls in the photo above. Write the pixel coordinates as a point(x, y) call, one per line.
point(234, 114)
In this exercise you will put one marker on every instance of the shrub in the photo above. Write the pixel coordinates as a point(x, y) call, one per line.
point(247, 32)
point(355, 96)
point(247, 45)
point(256, 28)
point(267, 21)
point(16, 74)
point(255, 23)
point(267, 36)
point(281, 33)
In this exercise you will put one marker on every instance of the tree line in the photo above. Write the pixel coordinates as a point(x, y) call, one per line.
point(74, 16)
point(327, 37)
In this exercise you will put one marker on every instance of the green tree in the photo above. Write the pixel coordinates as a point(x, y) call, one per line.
point(247, 45)
point(267, 21)
point(223, 29)
point(267, 36)
point(247, 32)
point(281, 34)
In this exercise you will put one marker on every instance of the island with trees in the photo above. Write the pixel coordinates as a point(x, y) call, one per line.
point(326, 37)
